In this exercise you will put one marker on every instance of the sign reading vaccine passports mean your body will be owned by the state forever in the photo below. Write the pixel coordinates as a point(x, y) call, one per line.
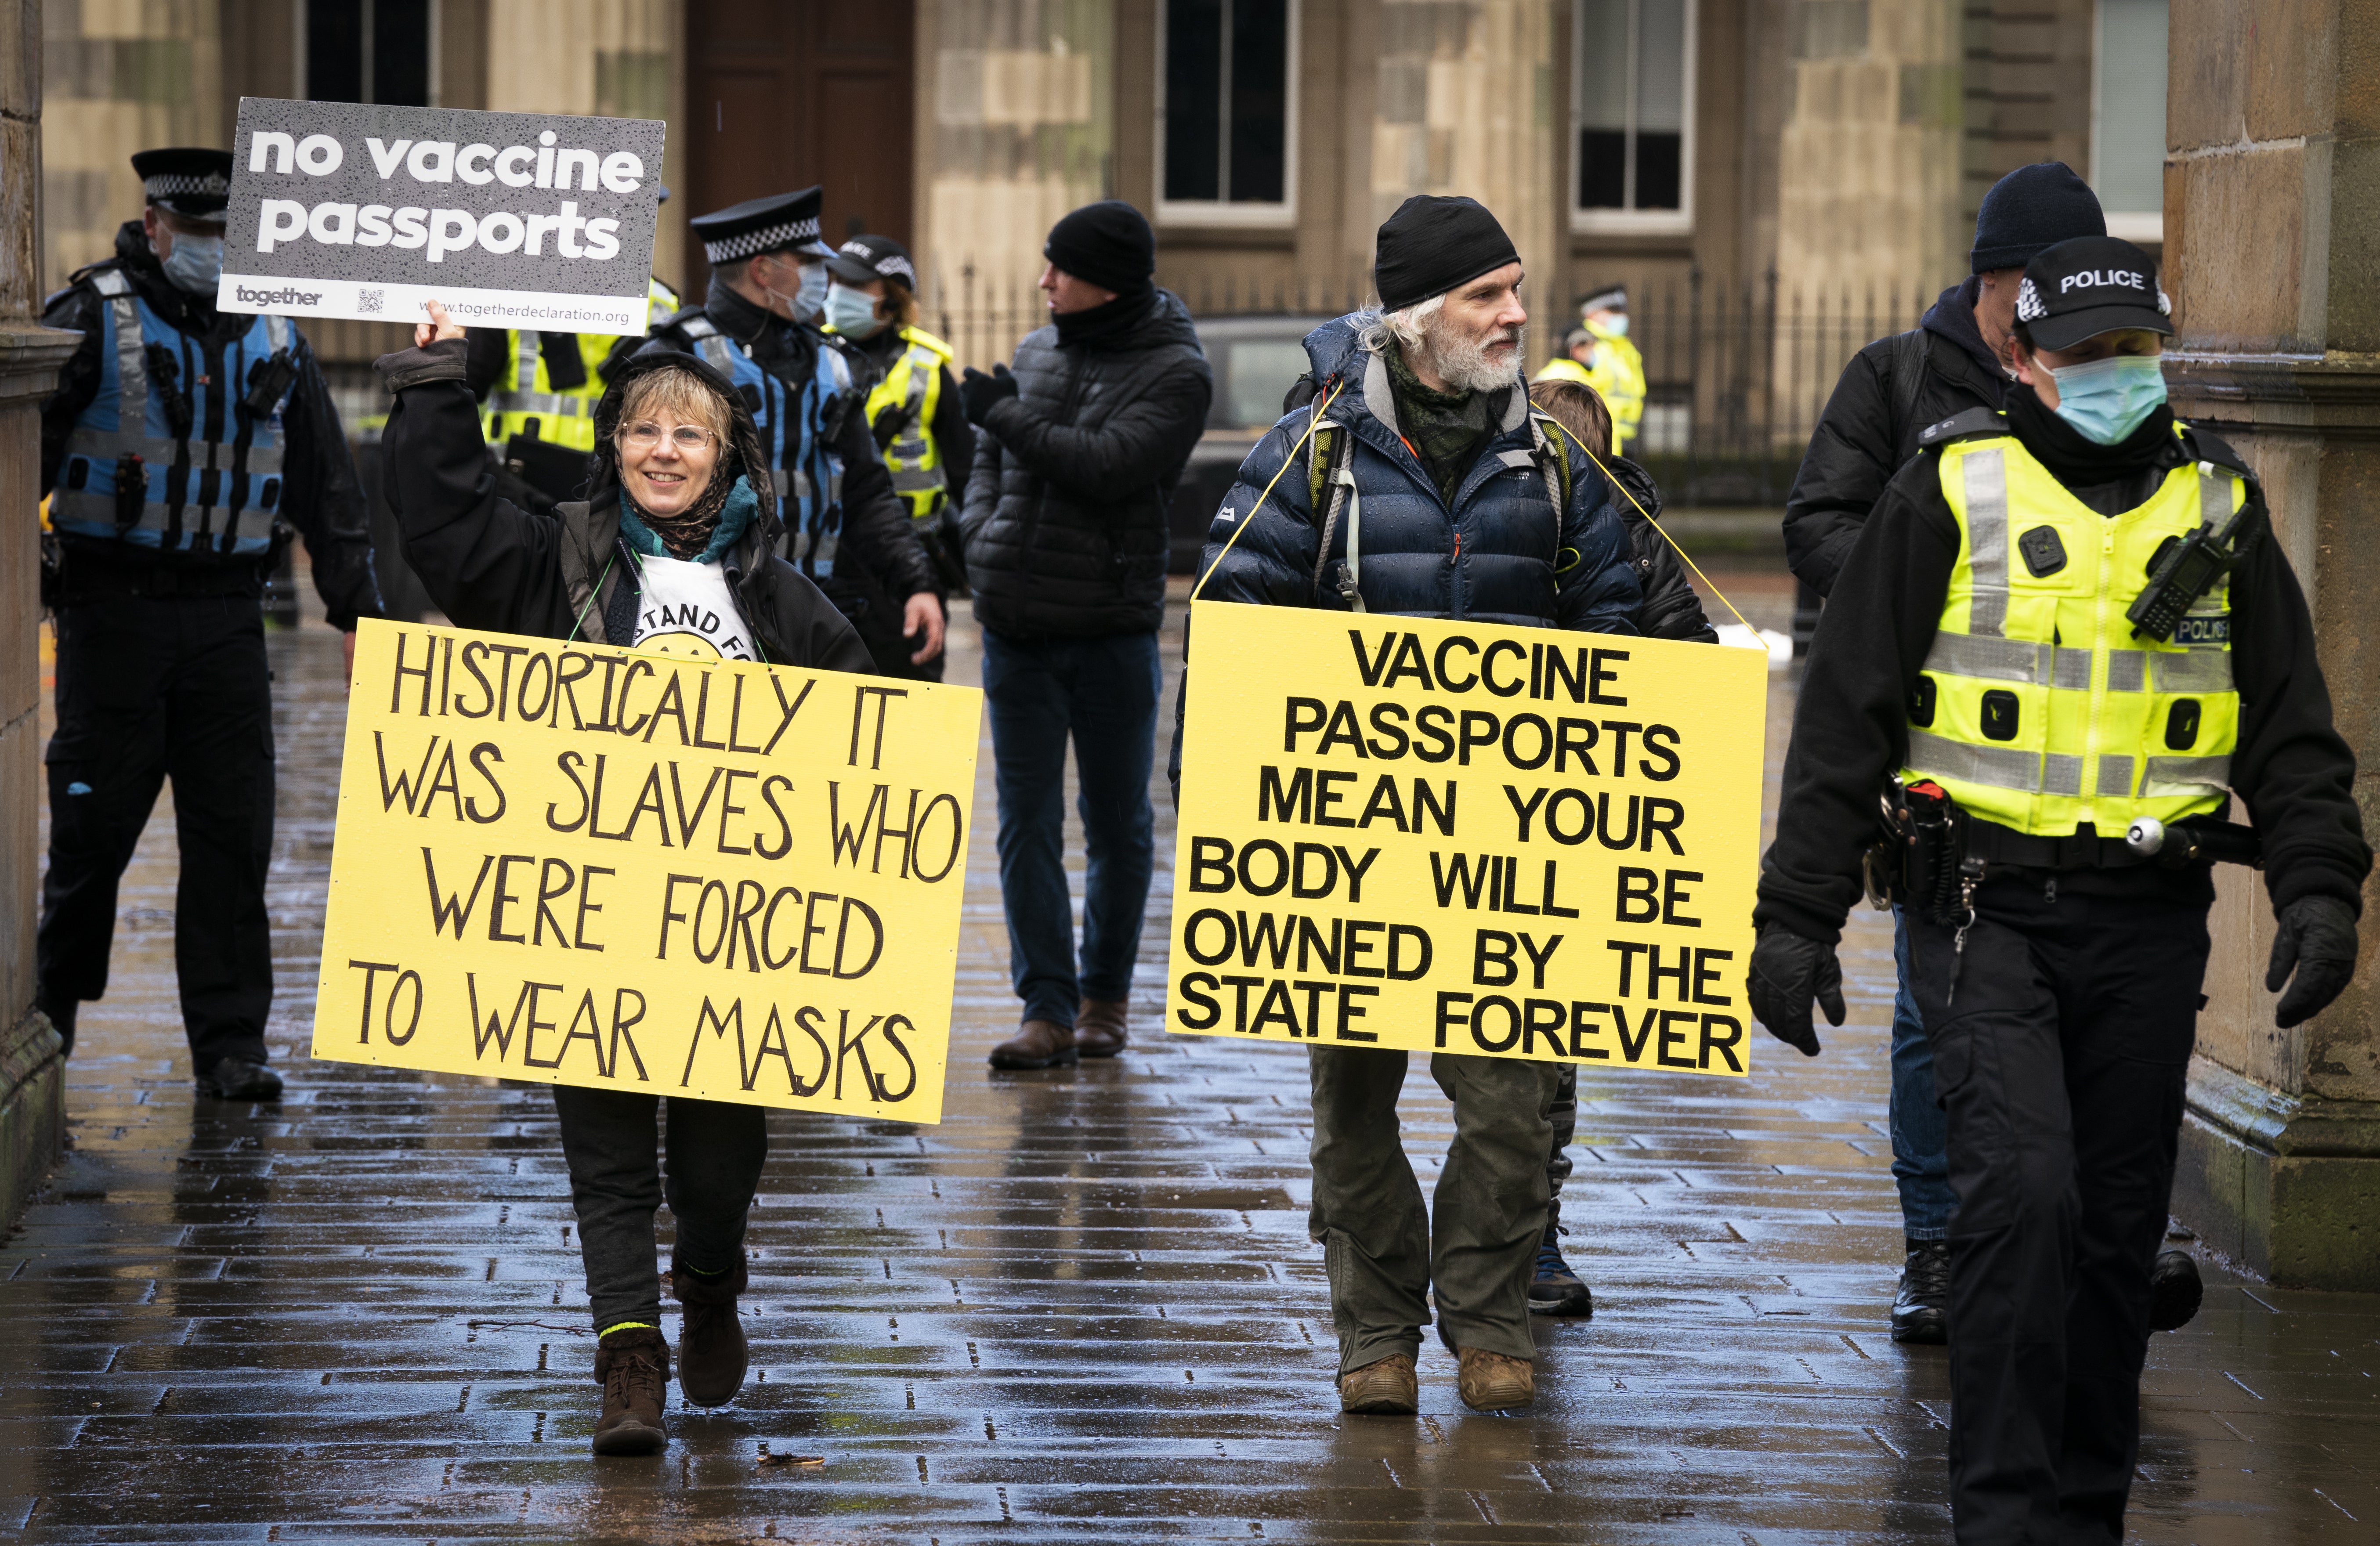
point(509, 220)
point(1458, 837)
point(631, 870)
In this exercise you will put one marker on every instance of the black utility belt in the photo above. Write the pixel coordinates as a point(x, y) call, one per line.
point(83, 580)
point(2083, 849)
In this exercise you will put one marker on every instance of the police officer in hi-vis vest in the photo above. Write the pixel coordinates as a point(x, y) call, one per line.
point(757, 326)
point(1597, 354)
point(541, 389)
point(182, 450)
point(913, 413)
point(2064, 640)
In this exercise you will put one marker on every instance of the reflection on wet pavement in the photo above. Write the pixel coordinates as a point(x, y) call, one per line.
point(1083, 1308)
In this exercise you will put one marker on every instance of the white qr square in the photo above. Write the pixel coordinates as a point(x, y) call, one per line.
point(371, 300)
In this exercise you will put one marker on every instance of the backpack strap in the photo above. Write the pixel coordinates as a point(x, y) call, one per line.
point(1553, 462)
point(1331, 491)
point(1963, 426)
point(1908, 380)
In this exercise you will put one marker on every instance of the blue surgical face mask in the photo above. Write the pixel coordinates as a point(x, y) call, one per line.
point(195, 264)
point(2107, 400)
point(852, 312)
point(1616, 325)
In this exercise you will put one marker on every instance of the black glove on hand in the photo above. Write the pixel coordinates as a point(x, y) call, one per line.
point(1786, 973)
point(979, 391)
point(2317, 937)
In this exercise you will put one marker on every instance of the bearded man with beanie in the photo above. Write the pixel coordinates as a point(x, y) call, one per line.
point(1472, 506)
point(1960, 357)
point(1078, 451)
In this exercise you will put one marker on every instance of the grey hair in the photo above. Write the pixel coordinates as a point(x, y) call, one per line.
point(1408, 327)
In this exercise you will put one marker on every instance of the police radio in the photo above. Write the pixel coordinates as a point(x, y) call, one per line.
point(269, 380)
point(2186, 568)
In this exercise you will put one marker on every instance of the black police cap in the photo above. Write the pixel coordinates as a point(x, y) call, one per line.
point(188, 180)
point(2081, 288)
point(867, 259)
point(775, 224)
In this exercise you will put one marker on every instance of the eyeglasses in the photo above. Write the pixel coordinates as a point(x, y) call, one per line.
point(686, 437)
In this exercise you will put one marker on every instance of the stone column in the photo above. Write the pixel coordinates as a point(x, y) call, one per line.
point(2273, 261)
point(32, 1074)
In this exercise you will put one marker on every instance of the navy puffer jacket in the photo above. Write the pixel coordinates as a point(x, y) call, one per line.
point(1498, 555)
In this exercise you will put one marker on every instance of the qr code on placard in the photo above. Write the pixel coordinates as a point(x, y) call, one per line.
point(371, 300)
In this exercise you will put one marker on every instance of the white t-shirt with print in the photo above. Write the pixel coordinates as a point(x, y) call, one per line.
point(686, 609)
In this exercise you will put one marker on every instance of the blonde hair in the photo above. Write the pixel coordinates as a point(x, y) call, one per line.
point(679, 394)
point(1579, 408)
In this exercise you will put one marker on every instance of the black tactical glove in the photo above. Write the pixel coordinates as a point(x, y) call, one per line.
point(2317, 937)
point(1786, 973)
point(979, 391)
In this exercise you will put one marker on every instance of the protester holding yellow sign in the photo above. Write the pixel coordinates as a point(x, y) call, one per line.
point(670, 553)
point(1416, 484)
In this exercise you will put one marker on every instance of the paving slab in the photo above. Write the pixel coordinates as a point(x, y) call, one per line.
point(1082, 1309)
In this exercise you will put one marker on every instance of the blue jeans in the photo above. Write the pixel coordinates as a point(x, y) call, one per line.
point(1103, 693)
point(1921, 1159)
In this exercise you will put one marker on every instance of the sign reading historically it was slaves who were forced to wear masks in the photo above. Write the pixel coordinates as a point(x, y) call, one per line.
point(1461, 837)
point(636, 871)
point(509, 220)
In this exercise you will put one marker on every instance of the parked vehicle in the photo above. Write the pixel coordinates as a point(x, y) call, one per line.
point(1254, 360)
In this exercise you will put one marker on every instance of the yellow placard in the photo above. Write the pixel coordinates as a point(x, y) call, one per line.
point(631, 870)
point(1462, 836)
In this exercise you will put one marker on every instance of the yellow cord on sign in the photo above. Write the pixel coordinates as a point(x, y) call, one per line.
point(1656, 525)
point(1249, 519)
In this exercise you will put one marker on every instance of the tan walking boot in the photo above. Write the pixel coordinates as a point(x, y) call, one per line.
point(1042, 1043)
point(632, 1365)
point(1098, 1027)
point(1384, 1388)
point(1494, 1381)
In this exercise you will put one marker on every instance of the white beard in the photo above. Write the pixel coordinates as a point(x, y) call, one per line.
point(1465, 364)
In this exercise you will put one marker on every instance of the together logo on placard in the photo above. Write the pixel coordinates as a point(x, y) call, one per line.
point(276, 297)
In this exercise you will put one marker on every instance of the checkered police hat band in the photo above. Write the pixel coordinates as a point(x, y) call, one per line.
point(169, 185)
point(900, 266)
point(767, 239)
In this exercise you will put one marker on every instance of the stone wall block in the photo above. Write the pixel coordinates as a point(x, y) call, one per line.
point(20, 861)
point(2206, 87)
point(2352, 296)
point(2289, 76)
point(2241, 263)
point(20, 147)
point(20, 64)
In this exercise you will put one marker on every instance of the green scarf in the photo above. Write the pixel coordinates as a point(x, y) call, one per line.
point(1445, 429)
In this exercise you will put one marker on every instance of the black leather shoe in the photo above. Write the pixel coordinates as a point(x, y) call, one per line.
point(2175, 1290)
point(1921, 1312)
point(236, 1078)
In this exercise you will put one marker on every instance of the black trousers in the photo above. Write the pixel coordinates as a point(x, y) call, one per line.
point(716, 1150)
point(2060, 1062)
point(152, 688)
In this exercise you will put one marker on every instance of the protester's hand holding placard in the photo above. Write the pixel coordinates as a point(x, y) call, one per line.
point(512, 220)
point(629, 870)
point(1462, 836)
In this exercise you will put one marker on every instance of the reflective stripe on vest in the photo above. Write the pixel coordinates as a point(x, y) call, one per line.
point(2040, 711)
point(1616, 370)
point(216, 487)
point(914, 386)
point(526, 391)
point(792, 418)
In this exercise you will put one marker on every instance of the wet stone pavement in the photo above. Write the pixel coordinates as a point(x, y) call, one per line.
point(1082, 1307)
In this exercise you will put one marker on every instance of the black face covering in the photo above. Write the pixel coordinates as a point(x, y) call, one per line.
point(2074, 459)
point(1109, 320)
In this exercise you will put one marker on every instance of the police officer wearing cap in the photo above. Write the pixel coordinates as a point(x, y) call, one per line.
point(757, 326)
point(2062, 642)
point(914, 415)
point(183, 448)
point(1597, 354)
point(541, 389)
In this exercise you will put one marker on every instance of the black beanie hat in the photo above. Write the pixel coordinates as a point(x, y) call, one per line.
point(2032, 209)
point(1108, 244)
point(1431, 245)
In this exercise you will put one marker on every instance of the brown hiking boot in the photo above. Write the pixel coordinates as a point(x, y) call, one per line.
point(1098, 1027)
point(1384, 1388)
point(632, 1365)
point(1042, 1043)
point(711, 1352)
point(1493, 1382)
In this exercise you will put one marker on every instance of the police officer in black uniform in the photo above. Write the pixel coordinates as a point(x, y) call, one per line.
point(2062, 644)
point(756, 325)
point(183, 449)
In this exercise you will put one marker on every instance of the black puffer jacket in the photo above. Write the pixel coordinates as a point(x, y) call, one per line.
point(1670, 609)
point(1065, 515)
point(1865, 436)
point(489, 564)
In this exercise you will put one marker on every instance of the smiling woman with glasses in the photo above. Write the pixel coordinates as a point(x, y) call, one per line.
point(671, 548)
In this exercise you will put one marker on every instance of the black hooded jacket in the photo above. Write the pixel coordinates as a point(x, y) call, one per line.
point(490, 566)
point(1671, 609)
point(1870, 427)
point(1065, 513)
point(323, 497)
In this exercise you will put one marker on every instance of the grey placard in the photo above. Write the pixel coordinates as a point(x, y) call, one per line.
point(352, 196)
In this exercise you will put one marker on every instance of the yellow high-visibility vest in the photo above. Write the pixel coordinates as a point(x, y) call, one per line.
point(2039, 709)
point(915, 382)
point(1617, 372)
point(526, 389)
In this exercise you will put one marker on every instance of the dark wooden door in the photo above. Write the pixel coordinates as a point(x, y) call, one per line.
point(784, 93)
